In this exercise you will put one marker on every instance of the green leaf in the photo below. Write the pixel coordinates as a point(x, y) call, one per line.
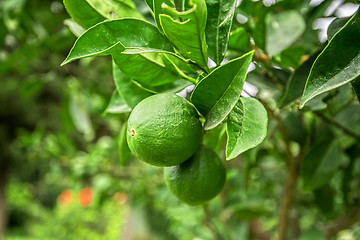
point(239, 40)
point(246, 128)
point(116, 105)
point(320, 164)
point(186, 30)
point(283, 29)
point(147, 71)
point(339, 62)
point(83, 13)
point(335, 26)
point(124, 150)
point(251, 211)
point(130, 92)
point(158, 9)
point(87, 13)
point(297, 81)
point(220, 15)
point(217, 93)
point(114, 36)
point(356, 86)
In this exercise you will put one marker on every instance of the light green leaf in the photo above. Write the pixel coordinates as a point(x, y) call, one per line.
point(338, 64)
point(87, 13)
point(114, 36)
point(240, 40)
point(282, 30)
point(220, 15)
point(320, 164)
point(246, 128)
point(130, 92)
point(186, 30)
point(217, 93)
point(116, 105)
point(158, 9)
point(83, 13)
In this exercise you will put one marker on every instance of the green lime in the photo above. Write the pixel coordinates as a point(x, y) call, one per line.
point(198, 179)
point(164, 130)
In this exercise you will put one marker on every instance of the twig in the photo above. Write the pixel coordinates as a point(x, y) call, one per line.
point(338, 125)
point(341, 223)
point(208, 224)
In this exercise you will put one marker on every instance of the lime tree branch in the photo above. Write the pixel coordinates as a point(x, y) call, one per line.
point(342, 223)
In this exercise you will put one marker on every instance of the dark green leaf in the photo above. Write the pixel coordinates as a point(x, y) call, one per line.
point(124, 150)
point(240, 40)
point(130, 92)
point(246, 128)
point(292, 57)
point(335, 26)
point(283, 29)
point(296, 84)
point(356, 86)
point(116, 105)
point(220, 15)
point(114, 36)
point(217, 93)
point(338, 64)
point(324, 199)
point(320, 164)
point(186, 30)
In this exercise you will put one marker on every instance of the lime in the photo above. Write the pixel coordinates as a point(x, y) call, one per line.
point(164, 130)
point(198, 179)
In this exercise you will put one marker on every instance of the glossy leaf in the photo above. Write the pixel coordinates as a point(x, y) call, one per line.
point(186, 30)
point(130, 92)
point(339, 62)
point(83, 13)
point(117, 104)
point(335, 26)
point(158, 9)
point(148, 71)
point(217, 93)
point(283, 29)
point(246, 127)
point(297, 81)
point(112, 9)
point(320, 164)
point(115, 36)
point(220, 15)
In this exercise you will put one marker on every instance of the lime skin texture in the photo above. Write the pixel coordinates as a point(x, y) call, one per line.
point(198, 179)
point(164, 130)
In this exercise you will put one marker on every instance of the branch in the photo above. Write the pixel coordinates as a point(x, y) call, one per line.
point(208, 223)
point(342, 223)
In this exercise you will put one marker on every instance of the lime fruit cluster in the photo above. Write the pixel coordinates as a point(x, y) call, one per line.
point(164, 130)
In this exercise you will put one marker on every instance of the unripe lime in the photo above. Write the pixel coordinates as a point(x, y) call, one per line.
point(198, 179)
point(164, 130)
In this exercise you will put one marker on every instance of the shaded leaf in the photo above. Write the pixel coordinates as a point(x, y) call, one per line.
point(283, 29)
point(114, 36)
point(250, 211)
point(324, 199)
point(186, 30)
point(297, 81)
point(240, 40)
point(115, 8)
point(246, 127)
point(158, 9)
point(130, 92)
point(320, 164)
point(335, 26)
point(220, 15)
point(339, 62)
point(116, 105)
point(356, 86)
point(217, 93)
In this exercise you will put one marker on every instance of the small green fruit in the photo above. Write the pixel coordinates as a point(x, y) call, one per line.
point(164, 130)
point(198, 179)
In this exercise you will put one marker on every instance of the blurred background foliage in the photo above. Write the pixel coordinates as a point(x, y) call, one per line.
point(65, 172)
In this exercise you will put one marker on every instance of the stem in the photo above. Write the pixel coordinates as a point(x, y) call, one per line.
point(342, 223)
point(208, 223)
point(338, 125)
